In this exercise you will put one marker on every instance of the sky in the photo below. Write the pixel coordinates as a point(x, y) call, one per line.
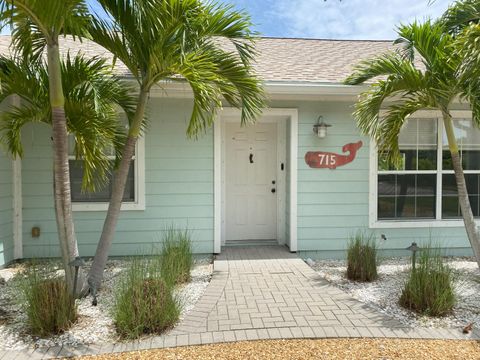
point(334, 19)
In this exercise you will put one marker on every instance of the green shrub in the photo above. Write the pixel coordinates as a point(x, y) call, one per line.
point(49, 306)
point(177, 256)
point(362, 258)
point(144, 302)
point(429, 288)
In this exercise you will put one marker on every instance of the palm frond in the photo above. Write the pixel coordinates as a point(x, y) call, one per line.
point(35, 23)
point(214, 74)
point(400, 88)
point(391, 65)
point(93, 99)
point(182, 40)
point(468, 48)
point(461, 14)
point(12, 121)
point(224, 21)
point(430, 41)
point(390, 125)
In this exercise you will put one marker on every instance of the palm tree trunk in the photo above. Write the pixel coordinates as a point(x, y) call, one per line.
point(63, 200)
point(467, 214)
point(95, 275)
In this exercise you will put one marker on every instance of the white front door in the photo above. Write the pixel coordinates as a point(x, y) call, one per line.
point(250, 181)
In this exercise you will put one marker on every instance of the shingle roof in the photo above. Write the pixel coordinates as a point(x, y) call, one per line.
point(307, 60)
point(279, 60)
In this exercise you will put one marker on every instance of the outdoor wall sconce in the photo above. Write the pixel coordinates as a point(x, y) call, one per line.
point(320, 128)
point(35, 232)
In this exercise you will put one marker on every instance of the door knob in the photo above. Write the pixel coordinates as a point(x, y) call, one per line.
point(251, 158)
point(273, 190)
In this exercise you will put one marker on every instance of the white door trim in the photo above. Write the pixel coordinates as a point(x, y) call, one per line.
point(17, 208)
point(17, 199)
point(219, 191)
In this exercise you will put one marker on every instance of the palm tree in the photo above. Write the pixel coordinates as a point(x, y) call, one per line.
point(435, 82)
point(36, 25)
point(176, 40)
point(92, 99)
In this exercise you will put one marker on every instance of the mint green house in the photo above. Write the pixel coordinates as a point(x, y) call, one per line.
point(275, 182)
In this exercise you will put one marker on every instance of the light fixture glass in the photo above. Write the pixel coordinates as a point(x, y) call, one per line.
point(320, 128)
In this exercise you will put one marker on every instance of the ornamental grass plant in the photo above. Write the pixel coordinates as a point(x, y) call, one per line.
point(144, 301)
point(176, 256)
point(49, 305)
point(429, 287)
point(362, 259)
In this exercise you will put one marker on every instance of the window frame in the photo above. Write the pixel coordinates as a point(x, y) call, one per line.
point(374, 222)
point(139, 176)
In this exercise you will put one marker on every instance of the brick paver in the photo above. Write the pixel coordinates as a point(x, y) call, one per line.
point(267, 287)
point(265, 293)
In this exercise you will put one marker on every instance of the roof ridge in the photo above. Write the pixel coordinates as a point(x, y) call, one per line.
point(323, 39)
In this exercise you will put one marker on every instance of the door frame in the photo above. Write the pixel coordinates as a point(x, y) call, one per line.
point(281, 117)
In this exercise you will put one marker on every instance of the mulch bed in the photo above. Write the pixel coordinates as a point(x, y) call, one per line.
point(314, 349)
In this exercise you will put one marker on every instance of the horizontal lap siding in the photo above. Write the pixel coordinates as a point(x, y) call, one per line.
point(6, 211)
point(178, 186)
point(333, 204)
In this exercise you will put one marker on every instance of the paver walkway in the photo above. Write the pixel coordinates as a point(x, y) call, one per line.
point(267, 289)
point(259, 293)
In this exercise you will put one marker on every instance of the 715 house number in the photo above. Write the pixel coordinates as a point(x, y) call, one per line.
point(327, 159)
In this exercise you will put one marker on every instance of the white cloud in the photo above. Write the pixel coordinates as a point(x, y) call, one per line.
point(351, 19)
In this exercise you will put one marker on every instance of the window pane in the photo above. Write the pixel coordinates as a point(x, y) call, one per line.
point(447, 160)
point(386, 207)
point(425, 207)
point(383, 164)
point(386, 185)
point(406, 207)
point(405, 185)
point(129, 194)
point(101, 195)
point(418, 145)
point(471, 159)
point(426, 184)
point(427, 160)
point(450, 205)
point(409, 159)
point(475, 205)
point(468, 139)
point(409, 196)
point(408, 135)
point(449, 185)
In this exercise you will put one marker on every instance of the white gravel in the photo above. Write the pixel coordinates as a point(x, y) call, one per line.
point(384, 293)
point(94, 324)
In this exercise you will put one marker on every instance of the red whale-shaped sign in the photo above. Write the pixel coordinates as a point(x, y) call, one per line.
point(328, 160)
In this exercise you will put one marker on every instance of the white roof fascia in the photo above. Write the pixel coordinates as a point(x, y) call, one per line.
point(282, 89)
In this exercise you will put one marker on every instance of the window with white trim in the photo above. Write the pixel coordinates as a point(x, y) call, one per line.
point(468, 138)
point(104, 194)
point(134, 195)
point(423, 187)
